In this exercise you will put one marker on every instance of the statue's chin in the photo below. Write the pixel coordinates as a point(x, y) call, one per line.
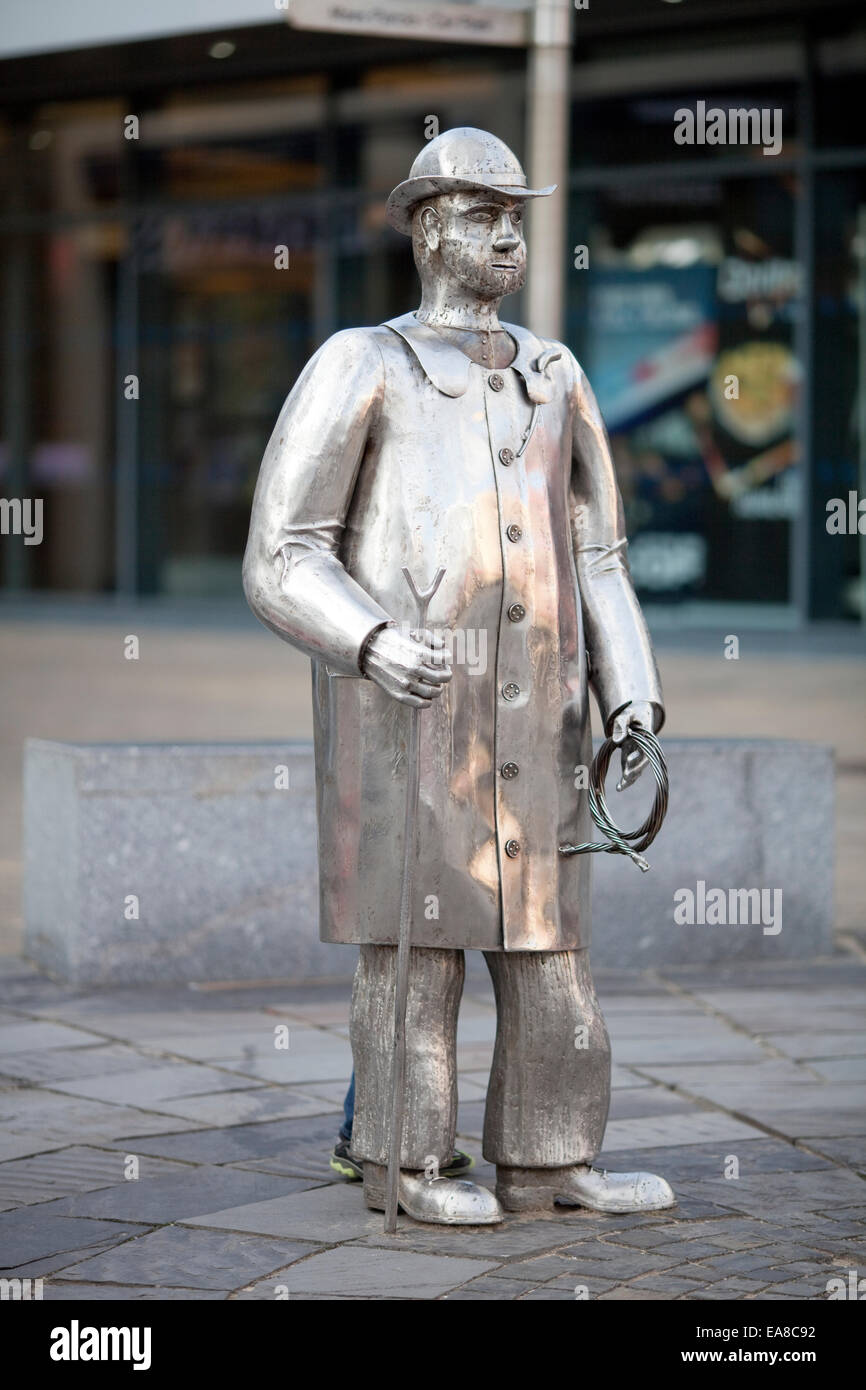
point(489, 287)
point(495, 284)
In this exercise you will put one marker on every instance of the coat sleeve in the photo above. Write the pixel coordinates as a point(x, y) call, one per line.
point(622, 665)
point(294, 579)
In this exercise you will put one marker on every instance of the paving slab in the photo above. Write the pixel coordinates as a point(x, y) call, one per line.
point(841, 1148)
point(333, 1092)
point(520, 1236)
point(149, 1014)
point(349, 1270)
point(51, 1115)
point(537, 1270)
point(56, 1291)
point(707, 1045)
point(52, 1266)
point(328, 1214)
point(760, 1077)
point(31, 1233)
point(488, 1290)
point(765, 1194)
point(840, 1068)
point(34, 1036)
point(13, 1145)
point(148, 1085)
point(694, 1161)
point(798, 1124)
point(322, 1011)
point(687, 1127)
point(321, 1057)
point(63, 1172)
point(238, 1143)
point(638, 1102)
point(184, 1258)
point(244, 1044)
point(60, 1064)
point(468, 1090)
point(180, 1195)
point(248, 1106)
point(470, 1119)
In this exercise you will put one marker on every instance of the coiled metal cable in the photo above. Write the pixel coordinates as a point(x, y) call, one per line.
point(632, 842)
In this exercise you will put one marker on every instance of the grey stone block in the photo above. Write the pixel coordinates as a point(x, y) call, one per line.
point(223, 864)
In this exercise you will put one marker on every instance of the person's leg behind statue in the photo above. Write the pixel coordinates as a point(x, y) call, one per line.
point(344, 1162)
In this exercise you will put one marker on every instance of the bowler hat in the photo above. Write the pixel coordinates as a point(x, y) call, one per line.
point(458, 159)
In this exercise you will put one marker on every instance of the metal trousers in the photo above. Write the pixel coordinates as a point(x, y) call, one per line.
point(549, 1091)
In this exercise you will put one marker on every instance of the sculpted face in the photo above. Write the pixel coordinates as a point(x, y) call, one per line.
point(480, 241)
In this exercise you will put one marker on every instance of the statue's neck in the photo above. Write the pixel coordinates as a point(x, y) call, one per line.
point(442, 307)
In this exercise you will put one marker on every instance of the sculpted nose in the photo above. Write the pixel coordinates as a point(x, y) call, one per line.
point(507, 236)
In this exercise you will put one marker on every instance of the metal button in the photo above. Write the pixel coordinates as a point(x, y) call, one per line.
point(514, 532)
point(496, 381)
point(509, 770)
point(512, 848)
point(517, 612)
point(506, 456)
point(510, 691)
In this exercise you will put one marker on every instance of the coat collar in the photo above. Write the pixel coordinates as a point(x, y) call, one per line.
point(448, 368)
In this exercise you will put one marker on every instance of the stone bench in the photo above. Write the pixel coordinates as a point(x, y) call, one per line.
point(178, 862)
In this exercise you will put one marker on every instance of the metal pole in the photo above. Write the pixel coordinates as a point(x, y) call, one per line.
point(548, 113)
point(401, 990)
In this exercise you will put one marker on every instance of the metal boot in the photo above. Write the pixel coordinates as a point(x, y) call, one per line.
point(536, 1189)
point(444, 1201)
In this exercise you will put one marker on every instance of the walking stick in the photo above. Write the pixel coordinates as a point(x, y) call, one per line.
point(398, 1066)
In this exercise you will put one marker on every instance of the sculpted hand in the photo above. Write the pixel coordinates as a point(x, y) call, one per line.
point(633, 760)
point(412, 667)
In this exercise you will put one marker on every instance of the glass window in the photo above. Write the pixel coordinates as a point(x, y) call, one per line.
point(61, 393)
point(684, 320)
point(227, 320)
point(839, 399)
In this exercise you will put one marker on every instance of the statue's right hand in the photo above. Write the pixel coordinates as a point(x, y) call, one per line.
point(410, 666)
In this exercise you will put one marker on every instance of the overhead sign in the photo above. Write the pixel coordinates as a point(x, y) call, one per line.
point(410, 19)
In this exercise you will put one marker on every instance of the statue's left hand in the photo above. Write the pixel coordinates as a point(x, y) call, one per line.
point(633, 760)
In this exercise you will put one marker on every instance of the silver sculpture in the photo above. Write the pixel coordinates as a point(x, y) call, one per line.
point(446, 440)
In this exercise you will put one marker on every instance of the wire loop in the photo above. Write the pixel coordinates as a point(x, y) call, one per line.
point(630, 842)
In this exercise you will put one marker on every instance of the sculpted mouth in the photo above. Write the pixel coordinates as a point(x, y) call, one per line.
point(503, 265)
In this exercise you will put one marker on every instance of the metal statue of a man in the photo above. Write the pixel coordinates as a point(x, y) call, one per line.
point(445, 439)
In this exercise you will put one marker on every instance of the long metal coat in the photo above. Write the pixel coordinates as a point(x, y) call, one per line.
point(395, 449)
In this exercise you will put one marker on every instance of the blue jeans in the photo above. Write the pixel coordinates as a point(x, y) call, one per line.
point(348, 1111)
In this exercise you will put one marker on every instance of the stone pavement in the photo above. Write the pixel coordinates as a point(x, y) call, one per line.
point(162, 1144)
